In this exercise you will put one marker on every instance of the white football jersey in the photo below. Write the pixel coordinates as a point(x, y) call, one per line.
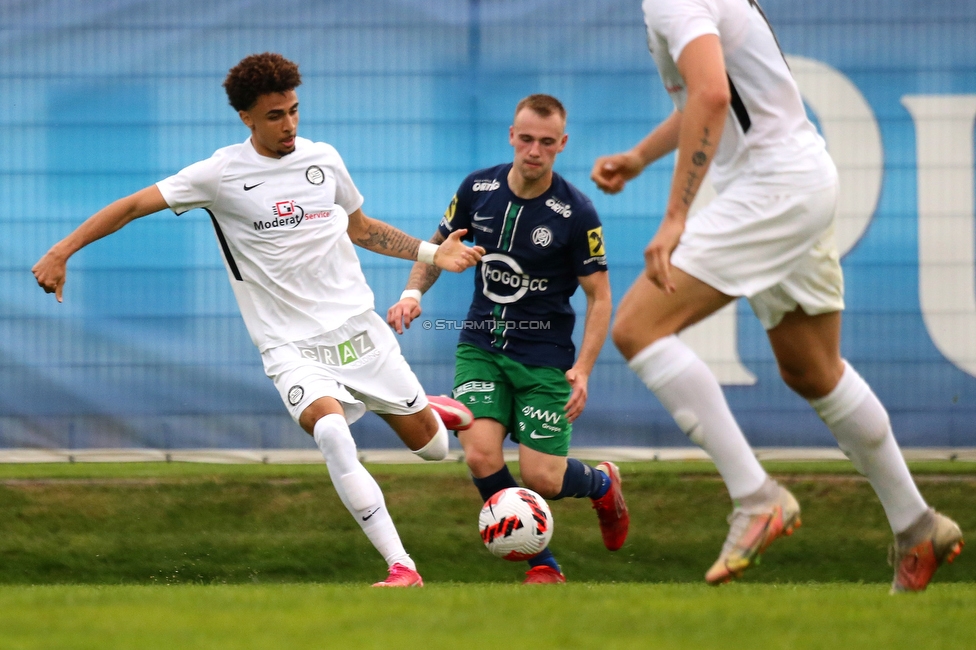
point(281, 225)
point(767, 130)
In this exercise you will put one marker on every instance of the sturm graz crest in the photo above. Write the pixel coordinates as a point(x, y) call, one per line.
point(315, 175)
point(295, 395)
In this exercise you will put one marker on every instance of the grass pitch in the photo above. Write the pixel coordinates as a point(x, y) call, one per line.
point(264, 556)
point(581, 615)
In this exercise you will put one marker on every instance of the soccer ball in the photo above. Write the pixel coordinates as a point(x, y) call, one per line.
point(515, 524)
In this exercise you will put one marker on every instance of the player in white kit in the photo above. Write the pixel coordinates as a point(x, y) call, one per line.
point(768, 236)
point(286, 215)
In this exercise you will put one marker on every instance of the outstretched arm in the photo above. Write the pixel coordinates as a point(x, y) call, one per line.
point(382, 238)
point(599, 307)
point(51, 270)
point(422, 277)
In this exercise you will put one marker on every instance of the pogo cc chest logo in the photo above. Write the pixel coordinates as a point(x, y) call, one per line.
point(505, 282)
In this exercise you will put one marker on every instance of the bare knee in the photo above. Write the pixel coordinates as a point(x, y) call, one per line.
point(628, 339)
point(483, 462)
point(810, 382)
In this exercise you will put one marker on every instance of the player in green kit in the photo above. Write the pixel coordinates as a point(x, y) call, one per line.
point(517, 368)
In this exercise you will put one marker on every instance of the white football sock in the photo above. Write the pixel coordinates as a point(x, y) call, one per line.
point(693, 396)
point(436, 448)
point(860, 423)
point(357, 490)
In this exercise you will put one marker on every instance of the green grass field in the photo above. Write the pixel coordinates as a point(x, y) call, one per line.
point(264, 556)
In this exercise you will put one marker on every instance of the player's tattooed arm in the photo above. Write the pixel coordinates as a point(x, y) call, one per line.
point(423, 276)
point(700, 160)
point(381, 237)
point(372, 234)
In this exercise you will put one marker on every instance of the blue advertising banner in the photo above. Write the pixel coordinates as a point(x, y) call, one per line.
point(148, 348)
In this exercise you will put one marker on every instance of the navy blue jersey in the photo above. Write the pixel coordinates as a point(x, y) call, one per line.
point(535, 250)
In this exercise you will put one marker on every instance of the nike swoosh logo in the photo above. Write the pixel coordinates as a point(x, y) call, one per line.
point(370, 514)
point(480, 217)
point(536, 436)
point(414, 400)
point(249, 188)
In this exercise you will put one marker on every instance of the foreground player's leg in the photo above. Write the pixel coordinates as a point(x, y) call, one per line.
point(363, 498)
point(763, 509)
point(924, 539)
point(644, 334)
point(808, 351)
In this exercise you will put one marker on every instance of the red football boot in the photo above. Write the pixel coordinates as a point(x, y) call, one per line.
point(611, 509)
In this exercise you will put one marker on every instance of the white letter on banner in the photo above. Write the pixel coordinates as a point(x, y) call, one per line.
point(946, 259)
point(851, 131)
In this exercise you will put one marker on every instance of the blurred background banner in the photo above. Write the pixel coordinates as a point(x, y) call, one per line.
point(148, 348)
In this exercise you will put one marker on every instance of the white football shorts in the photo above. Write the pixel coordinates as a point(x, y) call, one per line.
point(359, 364)
point(771, 243)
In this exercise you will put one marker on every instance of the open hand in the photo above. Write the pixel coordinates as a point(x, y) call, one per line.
point(454, 255)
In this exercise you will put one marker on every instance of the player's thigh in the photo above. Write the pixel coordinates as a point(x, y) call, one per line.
point(807, 350)
point(541, 472)
point(540, 400)
point(481, 384)
point(647, 314)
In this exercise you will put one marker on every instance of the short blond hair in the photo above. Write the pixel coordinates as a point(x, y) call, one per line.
point(542, 105)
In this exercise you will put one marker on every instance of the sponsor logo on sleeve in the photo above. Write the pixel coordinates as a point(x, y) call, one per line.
point(595, 239)
point(449, 213)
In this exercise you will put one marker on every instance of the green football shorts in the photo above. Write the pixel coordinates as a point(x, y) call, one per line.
point(527, 400)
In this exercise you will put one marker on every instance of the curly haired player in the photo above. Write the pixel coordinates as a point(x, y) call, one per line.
point(286, 215)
